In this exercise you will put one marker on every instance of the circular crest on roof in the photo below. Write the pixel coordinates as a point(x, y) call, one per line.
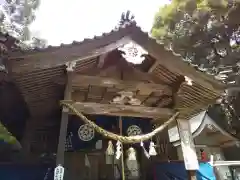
point(86, 132)
point(134, 130)
point(133, 52)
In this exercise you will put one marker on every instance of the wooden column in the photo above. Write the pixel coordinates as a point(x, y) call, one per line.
point(27, 139)
point(64, 119)
point(188, 148)
point(122, 155)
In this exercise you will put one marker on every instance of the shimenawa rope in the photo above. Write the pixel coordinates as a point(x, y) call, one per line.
point(122, 139)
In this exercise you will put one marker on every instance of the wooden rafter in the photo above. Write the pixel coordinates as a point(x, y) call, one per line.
point(85, 81)
point(122, 110)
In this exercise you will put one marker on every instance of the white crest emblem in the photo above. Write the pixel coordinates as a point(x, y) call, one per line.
point(86, 132)
point(134, 130)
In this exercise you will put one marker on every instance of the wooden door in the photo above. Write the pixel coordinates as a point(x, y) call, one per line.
point(76, 168)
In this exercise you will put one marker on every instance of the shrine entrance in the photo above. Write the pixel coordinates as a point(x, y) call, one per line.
point(122, 91)
point(116, 102)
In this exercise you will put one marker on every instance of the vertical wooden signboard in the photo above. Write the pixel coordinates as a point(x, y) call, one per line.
point(187, 144)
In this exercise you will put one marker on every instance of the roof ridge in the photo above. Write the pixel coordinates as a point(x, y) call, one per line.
point(74, 42)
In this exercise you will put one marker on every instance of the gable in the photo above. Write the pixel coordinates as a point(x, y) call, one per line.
point(26, 61)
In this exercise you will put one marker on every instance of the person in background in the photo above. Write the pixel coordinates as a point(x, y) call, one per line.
point(203, 155)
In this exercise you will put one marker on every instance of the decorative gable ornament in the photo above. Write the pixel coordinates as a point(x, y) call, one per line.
point(133, 53)
point(127, 98)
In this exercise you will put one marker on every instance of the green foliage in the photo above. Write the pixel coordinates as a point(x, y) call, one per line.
point(7, 136)
point(207, 35)
point(16, 16)
point(205, 32)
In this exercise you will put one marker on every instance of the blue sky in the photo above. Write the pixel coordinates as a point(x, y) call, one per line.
point(61, 21)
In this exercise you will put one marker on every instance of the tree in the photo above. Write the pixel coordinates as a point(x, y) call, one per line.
point(15, 18)
point(207, 35)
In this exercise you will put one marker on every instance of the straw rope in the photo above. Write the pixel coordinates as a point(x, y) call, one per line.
point(122, 139)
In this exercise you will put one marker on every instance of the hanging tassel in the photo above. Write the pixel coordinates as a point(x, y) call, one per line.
point(152, 150)
point(109, 153)
point(132, 164)
point(132, 154)
point(110, 150)
point(144, 150)
point(118, 150)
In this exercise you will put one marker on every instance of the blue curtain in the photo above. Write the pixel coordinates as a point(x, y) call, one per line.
point(110, 123)
point(143, 124)
point(176, 170)
point(74, 143)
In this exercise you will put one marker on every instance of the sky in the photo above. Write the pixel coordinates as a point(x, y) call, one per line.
point(61, 21)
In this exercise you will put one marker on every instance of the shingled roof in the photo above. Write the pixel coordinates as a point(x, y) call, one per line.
point(203, 124)
point(33, 70)
point(106, 42)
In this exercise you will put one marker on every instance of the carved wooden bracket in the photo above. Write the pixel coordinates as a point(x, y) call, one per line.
point(126, 98)
point(70, 66)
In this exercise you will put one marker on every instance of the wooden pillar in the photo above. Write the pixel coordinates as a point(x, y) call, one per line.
point(64, 118)
point(122, 155)
point(188, 148)
point(27, 139)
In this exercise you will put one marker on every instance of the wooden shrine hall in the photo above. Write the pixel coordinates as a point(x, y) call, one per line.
point(96, 77)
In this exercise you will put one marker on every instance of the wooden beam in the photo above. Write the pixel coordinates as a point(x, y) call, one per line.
point(148, 76)
point(64, 118)
point(228, 143)
point(122, 110)
point(145, 88)
point(214, 133)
